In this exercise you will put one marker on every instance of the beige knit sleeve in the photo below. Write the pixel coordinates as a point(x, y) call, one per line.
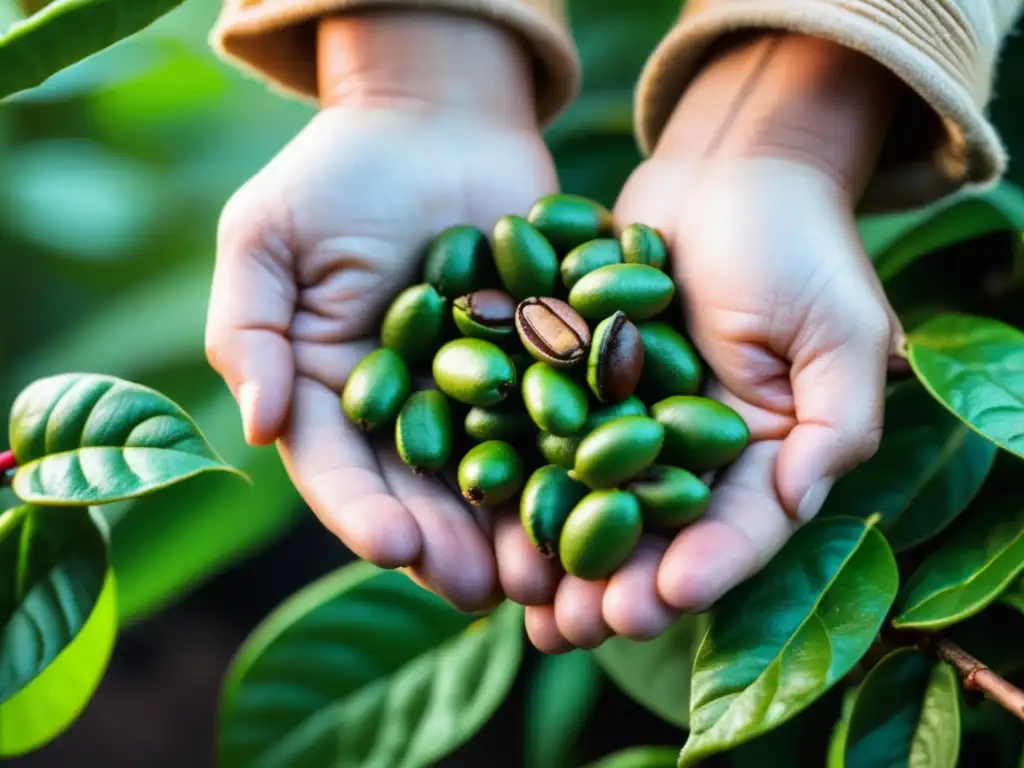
point(944, 50)
point(276, 40)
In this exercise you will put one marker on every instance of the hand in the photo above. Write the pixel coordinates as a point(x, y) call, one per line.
point(753, 185)
point(428, 122)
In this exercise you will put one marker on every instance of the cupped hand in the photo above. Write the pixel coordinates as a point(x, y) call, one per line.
point(784, 306)
point(313, 249)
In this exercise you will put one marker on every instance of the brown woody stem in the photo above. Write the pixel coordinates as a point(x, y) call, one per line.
point(977, 677)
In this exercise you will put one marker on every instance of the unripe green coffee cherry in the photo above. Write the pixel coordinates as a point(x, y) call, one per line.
point(641, 292)
point(548, 498)
point(458, 261)
point(671, 366)
point(631, 406)
point(584, 259)
point(474, 372)
point(526, 261)
point(617, 451)
point(643, 245)
point(506, 421)
point(600, 534)
point(700, 434)
point(555, 402)
point(486, 314)
point(423, 432)
point(376, 389)
point(569, 220)
point(560, 451)
point(413, 323)
point(490, 473)
point(670, 497)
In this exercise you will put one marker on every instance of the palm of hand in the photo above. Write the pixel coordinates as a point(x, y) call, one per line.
point(348, 229)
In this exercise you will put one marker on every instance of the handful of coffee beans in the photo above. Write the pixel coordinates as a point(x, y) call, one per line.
point(562, 375)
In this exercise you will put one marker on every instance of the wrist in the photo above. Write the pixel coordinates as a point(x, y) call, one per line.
point(790, 97)
point(425, 61)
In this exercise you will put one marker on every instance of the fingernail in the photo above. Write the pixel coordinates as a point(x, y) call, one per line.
point(247, 394)
point(814, 499)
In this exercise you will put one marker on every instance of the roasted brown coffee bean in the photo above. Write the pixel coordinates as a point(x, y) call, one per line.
point(616, 359)
point(552, 331)
point(486, 314)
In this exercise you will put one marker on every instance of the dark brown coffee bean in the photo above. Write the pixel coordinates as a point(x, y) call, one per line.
point(552, 331)
point(616, 359)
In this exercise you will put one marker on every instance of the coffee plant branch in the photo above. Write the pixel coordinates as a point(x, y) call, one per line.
point(978, 677)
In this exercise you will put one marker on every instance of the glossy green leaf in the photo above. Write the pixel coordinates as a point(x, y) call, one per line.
point(53, 563)
point(906, 712)
point(656, 673)
point(49, 704)
point(562, 695)
point(1014, 595)
point(837, 741)
point(975, 367)
point(927, 469)
point(779, 641)
point(90, 439)
point(639, 757)
point(894, 241)
point(969, 572)
point(365, 668)
point(66, 32)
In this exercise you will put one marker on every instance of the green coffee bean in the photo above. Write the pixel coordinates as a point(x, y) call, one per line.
point(555, 402)
point(560, 451)
point(631, 406)
point(636, 289)
point(700, 434)
point(474, 372)
point(552, 332)
point(617, 451)
point(616, 359)
point(458, 261)
point(526, 261)
point(600, 534)
point(643, 245)
point(376, 389)
point(670, 497)
point(486, 314)
point(507, 421)
point(423, 432)
point(490, 473)
point(569, 220)
point(584, 259)
point(671, 366)
point(413, 323)
point(548, 498)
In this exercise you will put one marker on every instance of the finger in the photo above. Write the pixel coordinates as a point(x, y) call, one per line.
point(251, 304)
point(542, 629)
point(631, 605)
point(741, 531)
point(527, 577)
point(579, 614)
point(455, 559)
point(335, 470)
point(840, 399)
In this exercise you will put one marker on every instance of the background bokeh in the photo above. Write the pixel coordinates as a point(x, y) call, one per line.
point(112, 177)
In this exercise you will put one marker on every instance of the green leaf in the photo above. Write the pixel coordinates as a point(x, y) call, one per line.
point(975, 367)
point(656, 673)
point(967, 573)
point(1013, 596)
point(85, 439)
point(561, 697)
point(53, 563)
point(894, 241)
point(837, 742)
point(906, 712)
point(927, 469)
point(54, 700)
point(365, 668)
point(66, 32)
point(639, 757)
point(782, 639)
